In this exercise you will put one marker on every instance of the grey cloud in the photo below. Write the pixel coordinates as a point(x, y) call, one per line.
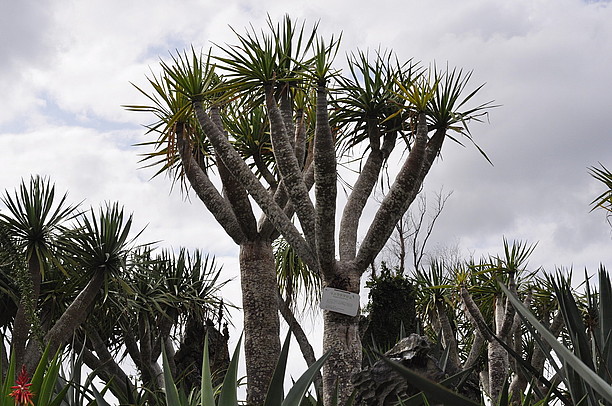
point(24, 33)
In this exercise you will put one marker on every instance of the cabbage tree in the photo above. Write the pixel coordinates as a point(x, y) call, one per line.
point(313, 115)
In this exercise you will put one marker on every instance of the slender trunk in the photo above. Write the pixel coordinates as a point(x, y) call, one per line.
point(170, 353)
point(261, 321)
point(302, 339)
point(104, 365)
point(498, 369)
point(3, 357)
point(341, 339)
point(300, 138)
point(144, 335)
point(325, 185)
point(520, 380)
point(23, 322)
point(475, 351)
point(21, 330)
point(448, 335)
point(147, 375)
point(402, 247)
point(72, 317)
point(498, 356)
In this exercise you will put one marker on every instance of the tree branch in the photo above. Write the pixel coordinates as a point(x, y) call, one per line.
point(289, 168)
point(72, 317)
point(474, 314)
point(400, 196)
point(475, 351)
point(208, 193)
point(286, 108)
point(234, 192)
point(244, 175)
point(325, 184)
point(300, 137)
point(355, 204)
point(362, 189)
point(106, 363)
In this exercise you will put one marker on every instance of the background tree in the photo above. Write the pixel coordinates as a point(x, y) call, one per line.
point(408, 243)
point(33, 230)
point(100, 296)
point(380, 104)
point(464, 308)
point(210, 122)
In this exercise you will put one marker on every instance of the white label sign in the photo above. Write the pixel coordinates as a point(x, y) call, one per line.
point(340, 301)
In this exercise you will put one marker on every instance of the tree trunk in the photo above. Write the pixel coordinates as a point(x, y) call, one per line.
point(71, 319)
point(341, 339)
point(498, 369)
point(22, 322)
point(261, 321)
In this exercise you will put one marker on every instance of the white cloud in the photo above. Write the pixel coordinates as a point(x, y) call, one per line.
point(66, 69)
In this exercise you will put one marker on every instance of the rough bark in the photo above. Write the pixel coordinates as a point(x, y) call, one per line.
point(71, 319)
point(341, 339)
point(22, 323)
point(396, 202)
point(208, 194)
point(286, 108)
point(300, 138)
point(325, 185)
point(234, 192)
point(261, 321)
point(341, 335)
point(250, 182)
point(498, 368)
point(258, 277)
point(289, 167)
point(475, 351)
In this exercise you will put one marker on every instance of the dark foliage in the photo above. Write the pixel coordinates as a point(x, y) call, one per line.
point(391, 310)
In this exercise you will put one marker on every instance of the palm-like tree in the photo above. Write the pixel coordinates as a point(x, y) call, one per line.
point(148, 296)
point(288, 72)
point(147, 308)
point(45, 244)
point(35, 223)
point(239, 133)
point(100, 247)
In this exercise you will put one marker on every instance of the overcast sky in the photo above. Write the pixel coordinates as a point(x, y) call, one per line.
point(66, 68)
